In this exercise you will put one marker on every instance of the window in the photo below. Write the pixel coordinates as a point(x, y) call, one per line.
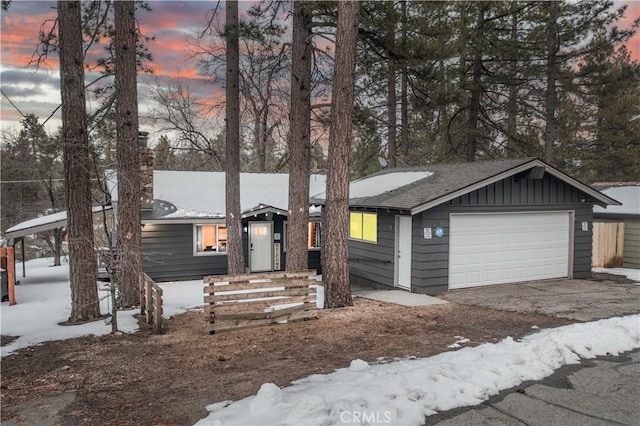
point(363, 226)
point(210, 239)
point(314, 236)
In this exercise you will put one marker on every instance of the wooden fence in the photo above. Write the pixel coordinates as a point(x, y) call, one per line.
point(608, 244)
point(254, 300)
point(7, 262)
point(151, 302)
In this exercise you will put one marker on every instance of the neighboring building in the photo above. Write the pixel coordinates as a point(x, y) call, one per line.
point(443, 227)
point(628, 193)
point(184, 233)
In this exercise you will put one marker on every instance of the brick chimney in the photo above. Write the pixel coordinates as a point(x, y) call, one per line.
point(146, 171)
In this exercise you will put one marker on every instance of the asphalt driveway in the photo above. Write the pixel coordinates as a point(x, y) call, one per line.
point(603, 296)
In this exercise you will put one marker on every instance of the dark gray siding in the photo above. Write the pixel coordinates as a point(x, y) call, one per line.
point(167, 254)
point(373, 264)
point(168, 251)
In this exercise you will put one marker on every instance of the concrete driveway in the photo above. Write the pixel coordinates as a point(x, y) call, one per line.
point(604, 296)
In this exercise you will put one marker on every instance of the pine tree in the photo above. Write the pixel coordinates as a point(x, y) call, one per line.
point(85, 305)
point(335, 244)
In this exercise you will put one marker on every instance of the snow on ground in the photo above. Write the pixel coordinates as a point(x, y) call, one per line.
point(44, 300)
point(406, 391)
point(402, 392)
point(632, 274)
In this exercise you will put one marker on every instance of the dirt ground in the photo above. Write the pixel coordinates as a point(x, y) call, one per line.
point(169, 379)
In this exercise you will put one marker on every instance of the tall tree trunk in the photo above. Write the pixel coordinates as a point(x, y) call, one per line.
point(85, 305)
point(551, 94)
point(129, 264)
point(404, 98)
point(476, 88)
point(299, 139)
point(335, 244)
point(512, 103)
point(235, 256)
point(392, 122)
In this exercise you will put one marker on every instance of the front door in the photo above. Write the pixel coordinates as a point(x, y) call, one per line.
point(403, 252)
point(261, 246)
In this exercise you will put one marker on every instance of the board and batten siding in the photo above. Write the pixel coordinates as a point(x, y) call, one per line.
point(631, 253)
point(431, 257)
point(167, 254)
point(373, 264)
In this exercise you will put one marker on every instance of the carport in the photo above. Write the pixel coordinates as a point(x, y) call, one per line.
point(45, 223)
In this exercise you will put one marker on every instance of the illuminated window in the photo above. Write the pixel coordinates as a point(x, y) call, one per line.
point(363, 226)
point(210, 239)
point(314, 236)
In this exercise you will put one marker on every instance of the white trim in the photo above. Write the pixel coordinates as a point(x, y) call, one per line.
point(396, 261)
point(197, 253)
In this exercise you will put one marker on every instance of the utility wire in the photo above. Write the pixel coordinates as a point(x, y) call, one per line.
point(12, 104)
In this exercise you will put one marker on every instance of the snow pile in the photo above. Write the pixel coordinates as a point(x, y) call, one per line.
point(404, 392)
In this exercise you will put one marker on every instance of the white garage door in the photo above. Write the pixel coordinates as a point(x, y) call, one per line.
point(504, 248)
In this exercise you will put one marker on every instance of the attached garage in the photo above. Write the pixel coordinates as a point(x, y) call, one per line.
point(450, 226)
point(497, 248)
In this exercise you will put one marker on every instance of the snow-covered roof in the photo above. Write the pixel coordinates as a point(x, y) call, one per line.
point(43, 223)
point(628, 195)
point(202, 194)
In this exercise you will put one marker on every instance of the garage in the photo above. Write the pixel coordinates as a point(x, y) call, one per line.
point(502, 248)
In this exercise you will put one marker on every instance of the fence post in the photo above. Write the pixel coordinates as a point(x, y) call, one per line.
point(149, 300)
point(11, 276)
point(157, 311)
point(142, 294)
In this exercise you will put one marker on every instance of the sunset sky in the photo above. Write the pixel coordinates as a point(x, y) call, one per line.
point(171, 22)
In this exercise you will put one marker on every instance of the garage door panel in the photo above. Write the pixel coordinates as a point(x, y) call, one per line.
point(501, 248)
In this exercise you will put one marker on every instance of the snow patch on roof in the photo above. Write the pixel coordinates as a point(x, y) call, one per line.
point(376, 185)
point(47, 219)
point(629, 196)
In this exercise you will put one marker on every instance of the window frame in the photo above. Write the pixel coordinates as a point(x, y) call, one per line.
point(195, 240)
point(362, 232)
point(284, 233)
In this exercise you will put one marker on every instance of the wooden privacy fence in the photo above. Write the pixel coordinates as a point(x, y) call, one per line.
point(608, 244)
point(254, 300)
point(151, 302)
point(7, 262)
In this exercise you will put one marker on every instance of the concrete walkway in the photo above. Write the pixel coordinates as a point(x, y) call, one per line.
point(605, 391)
point(399, 297)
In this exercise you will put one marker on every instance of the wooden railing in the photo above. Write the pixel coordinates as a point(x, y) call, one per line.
point(151, 302)
point(608, 244)
point(254, 300)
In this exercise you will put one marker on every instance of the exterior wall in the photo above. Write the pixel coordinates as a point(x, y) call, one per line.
point(168, 251)
point(373, 264)
point(631, 254)
point(167, 254)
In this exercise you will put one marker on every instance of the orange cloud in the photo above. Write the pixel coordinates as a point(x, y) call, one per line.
point(632, 13)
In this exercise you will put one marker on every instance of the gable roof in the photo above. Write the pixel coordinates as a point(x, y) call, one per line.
point(626, 192)
point(443, 182)
point(187, 194)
